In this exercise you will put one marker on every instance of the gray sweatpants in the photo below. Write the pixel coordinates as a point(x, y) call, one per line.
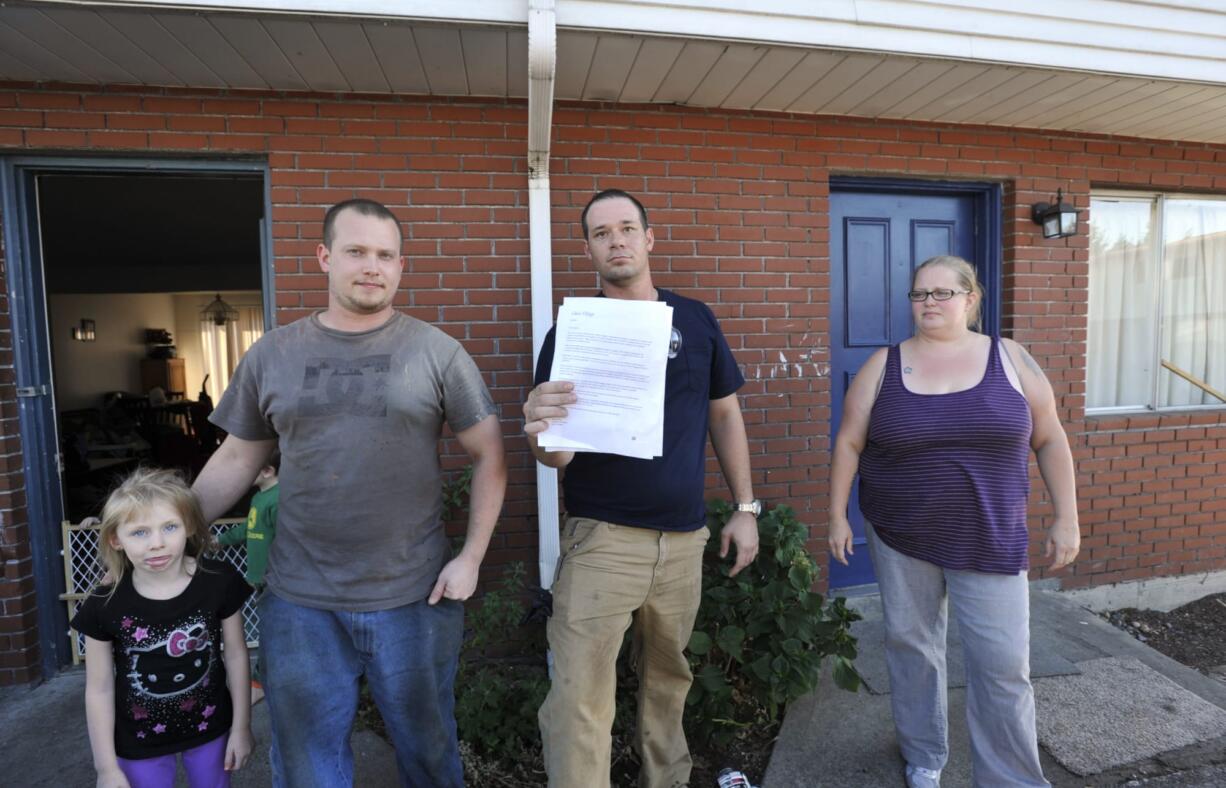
point(993, 615)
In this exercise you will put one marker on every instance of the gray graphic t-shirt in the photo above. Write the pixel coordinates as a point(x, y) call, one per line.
point(357, 417)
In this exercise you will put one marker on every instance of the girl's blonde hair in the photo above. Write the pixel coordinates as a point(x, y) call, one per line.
point(143, 488)
point(966, 279)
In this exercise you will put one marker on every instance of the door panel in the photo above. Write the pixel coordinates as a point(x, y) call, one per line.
point(867, 282)
point(876, 241)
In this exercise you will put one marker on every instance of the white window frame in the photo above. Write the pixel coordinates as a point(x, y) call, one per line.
point(1158, 200)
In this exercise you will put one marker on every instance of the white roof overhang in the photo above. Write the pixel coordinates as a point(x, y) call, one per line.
point(1148, 69)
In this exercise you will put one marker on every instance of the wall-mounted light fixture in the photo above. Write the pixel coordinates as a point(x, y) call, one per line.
point(1058, 219)
point(84, 332)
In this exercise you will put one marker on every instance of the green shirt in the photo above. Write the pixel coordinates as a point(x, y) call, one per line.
point(258, 533)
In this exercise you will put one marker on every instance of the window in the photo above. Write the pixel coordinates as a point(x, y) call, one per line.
point(224, 345)
point(1157, 311)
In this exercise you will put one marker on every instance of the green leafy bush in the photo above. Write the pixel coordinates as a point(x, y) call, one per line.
point(760, 637)
point(501, 680)
point(496, 710)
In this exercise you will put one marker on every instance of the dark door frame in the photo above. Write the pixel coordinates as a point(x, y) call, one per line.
point(987, 202)
point(32, 356)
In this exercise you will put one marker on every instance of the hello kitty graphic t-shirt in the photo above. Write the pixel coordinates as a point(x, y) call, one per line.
point(170, 680)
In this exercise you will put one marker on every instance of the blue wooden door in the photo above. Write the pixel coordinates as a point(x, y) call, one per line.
point(876, 241)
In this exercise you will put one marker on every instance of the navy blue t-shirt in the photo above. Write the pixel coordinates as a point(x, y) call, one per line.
point(665, 493)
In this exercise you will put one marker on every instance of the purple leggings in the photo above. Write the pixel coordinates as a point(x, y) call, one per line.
point(205, 766)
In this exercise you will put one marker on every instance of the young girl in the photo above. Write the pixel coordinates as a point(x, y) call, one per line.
point(156, 675)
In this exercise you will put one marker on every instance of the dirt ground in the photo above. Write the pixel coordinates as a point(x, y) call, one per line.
point(749, 754)
point(1194, 634)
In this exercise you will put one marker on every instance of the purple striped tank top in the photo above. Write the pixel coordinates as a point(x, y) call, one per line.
point(944, 477)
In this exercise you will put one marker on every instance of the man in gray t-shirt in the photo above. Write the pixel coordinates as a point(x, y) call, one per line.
point(359, 579)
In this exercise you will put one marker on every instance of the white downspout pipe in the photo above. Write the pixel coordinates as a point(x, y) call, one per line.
point(542, 65)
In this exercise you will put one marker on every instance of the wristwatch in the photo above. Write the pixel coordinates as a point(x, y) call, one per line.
point(754, 507)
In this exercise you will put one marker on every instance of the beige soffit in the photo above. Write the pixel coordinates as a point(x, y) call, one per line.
point(1153, 69)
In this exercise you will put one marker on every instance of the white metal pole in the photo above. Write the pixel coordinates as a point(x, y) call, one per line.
point(542, 63)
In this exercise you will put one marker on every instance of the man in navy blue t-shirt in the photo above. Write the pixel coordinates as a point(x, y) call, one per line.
point(634, 532)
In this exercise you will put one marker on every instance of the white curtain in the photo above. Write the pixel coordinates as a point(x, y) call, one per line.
point(1194, 301)
point(223, 346)
point(1122, 325)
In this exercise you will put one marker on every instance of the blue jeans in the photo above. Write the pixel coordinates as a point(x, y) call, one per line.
point(313, 659)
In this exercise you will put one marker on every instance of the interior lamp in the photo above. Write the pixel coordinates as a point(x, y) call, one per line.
point(218, 312)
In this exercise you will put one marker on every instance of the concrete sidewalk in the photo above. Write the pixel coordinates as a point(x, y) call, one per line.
point(1111, 711)
point(45, 743)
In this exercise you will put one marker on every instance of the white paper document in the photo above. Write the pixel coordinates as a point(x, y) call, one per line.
point(615, 352)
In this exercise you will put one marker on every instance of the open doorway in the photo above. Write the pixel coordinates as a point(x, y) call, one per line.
point(154, 291)
point(114, 269)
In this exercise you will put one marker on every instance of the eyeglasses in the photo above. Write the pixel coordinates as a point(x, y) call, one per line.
point(940, 294)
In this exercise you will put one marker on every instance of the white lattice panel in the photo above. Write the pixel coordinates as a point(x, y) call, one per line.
point(83, 571)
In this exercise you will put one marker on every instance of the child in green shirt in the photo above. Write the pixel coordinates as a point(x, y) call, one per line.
point(258, 533)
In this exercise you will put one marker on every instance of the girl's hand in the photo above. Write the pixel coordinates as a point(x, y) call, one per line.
point(238, 748)
point(112, 778)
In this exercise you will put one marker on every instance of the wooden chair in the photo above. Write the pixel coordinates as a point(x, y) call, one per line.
point(204, 431)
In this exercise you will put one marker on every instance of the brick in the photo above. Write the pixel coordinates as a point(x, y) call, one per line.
point(245, 142)
point(306, 109)
point(197, 123)
point(162, 104)
point(118, 139)
point(260, 125)
point(131, 120)
point(312, 126)
point(111, 103)
point(55, 139)
point(740, 204)
point(178, 141)
point(72, 120)
point(48, 100)
point(231, 106)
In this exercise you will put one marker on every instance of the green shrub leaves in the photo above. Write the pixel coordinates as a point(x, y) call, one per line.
point(760, 637)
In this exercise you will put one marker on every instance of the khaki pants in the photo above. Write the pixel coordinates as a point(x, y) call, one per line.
point(610, 577)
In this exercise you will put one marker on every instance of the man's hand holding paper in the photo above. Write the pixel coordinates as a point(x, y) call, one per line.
point(614, 352)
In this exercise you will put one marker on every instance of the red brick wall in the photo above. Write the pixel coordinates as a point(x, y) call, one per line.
point(739, 203)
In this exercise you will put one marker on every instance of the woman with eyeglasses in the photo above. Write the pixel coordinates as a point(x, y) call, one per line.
point(940, 428)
